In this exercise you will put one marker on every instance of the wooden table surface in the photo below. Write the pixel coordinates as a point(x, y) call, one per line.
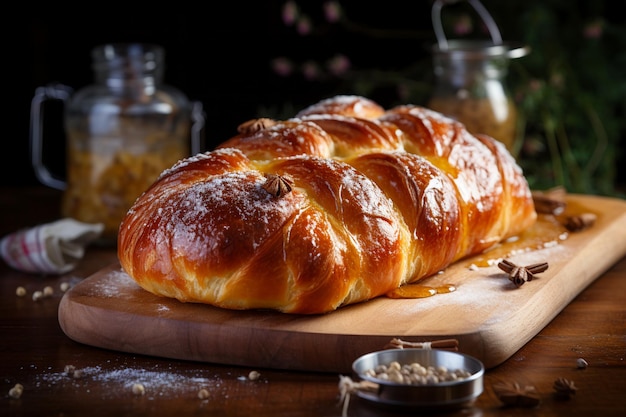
point(36, 353)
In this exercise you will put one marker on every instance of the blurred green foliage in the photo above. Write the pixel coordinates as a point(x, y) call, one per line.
point(572, 93)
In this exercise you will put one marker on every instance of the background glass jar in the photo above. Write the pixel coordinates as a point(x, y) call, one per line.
point(471, 87)
point(122, 132)
point(471, 78)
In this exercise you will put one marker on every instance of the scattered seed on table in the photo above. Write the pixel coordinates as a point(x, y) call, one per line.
point(16, 391)
point(203, 394)
point(138, 389)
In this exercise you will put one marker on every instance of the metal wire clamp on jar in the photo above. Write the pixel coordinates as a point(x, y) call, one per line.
point(121, 133)
point(471, 79)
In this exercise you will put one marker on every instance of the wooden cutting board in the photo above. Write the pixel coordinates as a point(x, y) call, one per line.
point(487, 314)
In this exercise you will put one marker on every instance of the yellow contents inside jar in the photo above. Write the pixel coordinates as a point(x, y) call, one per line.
point(471, 87)
point(494, 117)
point(107, 176)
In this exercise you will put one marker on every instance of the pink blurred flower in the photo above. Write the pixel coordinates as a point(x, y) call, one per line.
point(282, 66)
point(339, 65)
point(304, 25)
point(332, 11)
point(593, 30)
point(290, 13)
point(535, 85)
point(462, 25)
point(311, 70)
point(533, 145)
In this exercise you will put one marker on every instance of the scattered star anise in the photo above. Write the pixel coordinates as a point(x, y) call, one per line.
point(518, 275)
point(551, 201)
point(564, 388)
point(580, 222)
point(513, 394)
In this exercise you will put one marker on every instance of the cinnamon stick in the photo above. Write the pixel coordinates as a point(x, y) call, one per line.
point(445, 344)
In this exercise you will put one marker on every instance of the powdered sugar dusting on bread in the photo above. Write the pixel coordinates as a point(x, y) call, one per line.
point(180, 165)
point(346, 105)
point(184, 162)
point(221, 210)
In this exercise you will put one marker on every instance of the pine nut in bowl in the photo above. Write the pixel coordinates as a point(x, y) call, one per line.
point(420, 378)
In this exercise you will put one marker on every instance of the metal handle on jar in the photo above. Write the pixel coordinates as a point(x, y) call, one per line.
point(63, 93)
point(480, 9)
point(42, 94)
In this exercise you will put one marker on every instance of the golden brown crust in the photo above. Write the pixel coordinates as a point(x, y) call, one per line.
point(366, 205)
point(345, 105)
point(282, 139)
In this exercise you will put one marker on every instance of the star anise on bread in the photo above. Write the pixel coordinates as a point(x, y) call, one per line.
point(278, 185)
point(254, 125)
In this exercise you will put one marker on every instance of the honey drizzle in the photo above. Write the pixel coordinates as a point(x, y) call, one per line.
point(547, 231)
point(420, 291)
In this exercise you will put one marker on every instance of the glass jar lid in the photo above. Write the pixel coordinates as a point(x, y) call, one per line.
point(479, 50)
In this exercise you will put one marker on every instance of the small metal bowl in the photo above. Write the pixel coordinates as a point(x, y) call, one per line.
point(437, 396)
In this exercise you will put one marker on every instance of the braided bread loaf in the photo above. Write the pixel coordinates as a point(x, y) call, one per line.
point(338, 205)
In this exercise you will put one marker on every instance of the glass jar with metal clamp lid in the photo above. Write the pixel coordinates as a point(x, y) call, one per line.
point(471, 78)
point(122, 131)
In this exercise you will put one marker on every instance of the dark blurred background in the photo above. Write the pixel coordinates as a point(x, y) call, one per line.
point(224, 58)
